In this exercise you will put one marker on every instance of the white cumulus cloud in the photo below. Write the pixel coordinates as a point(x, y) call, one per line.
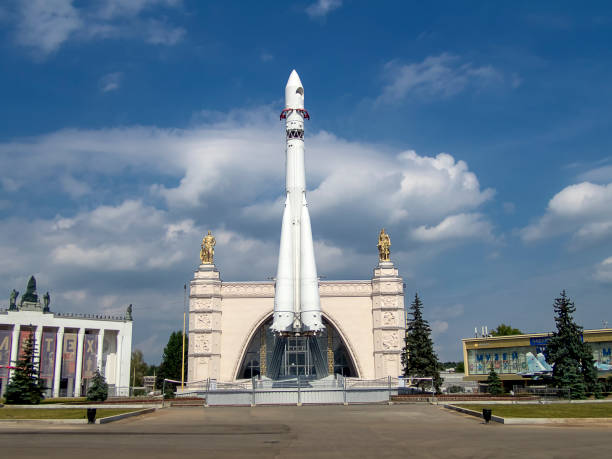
point(460, 226)
point(583, 210)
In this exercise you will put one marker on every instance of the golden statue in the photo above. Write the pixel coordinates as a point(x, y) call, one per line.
point(383, 246)
point(207, 251)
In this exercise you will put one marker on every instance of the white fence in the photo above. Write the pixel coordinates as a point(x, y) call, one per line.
point(297, 391)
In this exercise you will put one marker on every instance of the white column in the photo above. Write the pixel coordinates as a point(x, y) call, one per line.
point(57, 372)
point(14, 349)
point(38, 344)
point(100, 346)
point(118, 365)
point(79, 363)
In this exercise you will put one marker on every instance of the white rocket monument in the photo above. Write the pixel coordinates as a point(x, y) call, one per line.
point(297, 308)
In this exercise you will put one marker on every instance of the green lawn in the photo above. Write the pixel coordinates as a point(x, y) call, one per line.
point(556, 410)
point(68, 413)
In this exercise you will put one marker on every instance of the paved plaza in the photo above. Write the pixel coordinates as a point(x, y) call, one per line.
point(373, 431)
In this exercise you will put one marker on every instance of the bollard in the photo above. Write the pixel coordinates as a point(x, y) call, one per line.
point(91, 415)
point(486, 414)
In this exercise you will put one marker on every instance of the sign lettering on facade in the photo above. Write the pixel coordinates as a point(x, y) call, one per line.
point(24, 335)
point(69, 356)
point(47, 357)
point(90, 355)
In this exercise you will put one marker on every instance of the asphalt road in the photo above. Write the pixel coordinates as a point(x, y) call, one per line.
point(372, 431)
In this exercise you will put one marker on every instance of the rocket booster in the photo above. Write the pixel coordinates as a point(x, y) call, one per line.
point(297, 307)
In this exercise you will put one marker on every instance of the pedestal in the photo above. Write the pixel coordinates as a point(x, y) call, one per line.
point(388, 316)
point(204, 325)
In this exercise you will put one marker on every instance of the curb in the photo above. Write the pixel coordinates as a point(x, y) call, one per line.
point(105, 420)
point(97, 405)
point(474, 413)
point(43, 421)
point(117, 417)
point(532, 421)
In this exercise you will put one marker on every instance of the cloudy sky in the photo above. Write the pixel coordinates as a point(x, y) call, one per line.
point(479, 138)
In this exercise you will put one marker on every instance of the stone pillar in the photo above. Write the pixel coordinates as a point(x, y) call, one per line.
point(14, 350)
point(79, 363)
point(100, 347)
point(57, 372)
point(388, 318)
point(204, 357)
point(118, 376)
point(263, 353)
point(38, 343)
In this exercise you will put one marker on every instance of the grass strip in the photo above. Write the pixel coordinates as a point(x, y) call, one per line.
point(68, 413)
point(555, 410)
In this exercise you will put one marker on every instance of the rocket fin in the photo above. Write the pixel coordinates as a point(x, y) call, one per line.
point(283, 294)
point(310, 310)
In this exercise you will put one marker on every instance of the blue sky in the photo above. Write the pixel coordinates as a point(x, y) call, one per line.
point(477, 133)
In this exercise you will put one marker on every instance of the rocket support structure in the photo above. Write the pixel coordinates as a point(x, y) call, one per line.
point(297, 307)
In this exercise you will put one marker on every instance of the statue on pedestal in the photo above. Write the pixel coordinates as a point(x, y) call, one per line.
point(13, 300)
point(128, 313)
point(46, 302)
point(384, 242)
point(207, 250)
point(30, 294)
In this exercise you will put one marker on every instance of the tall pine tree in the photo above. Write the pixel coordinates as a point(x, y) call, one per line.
point(572, 360)
point(170, 367)
point(419, 359)
point(25, 386)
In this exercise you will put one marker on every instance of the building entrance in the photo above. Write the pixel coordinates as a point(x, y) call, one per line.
point(297, 354)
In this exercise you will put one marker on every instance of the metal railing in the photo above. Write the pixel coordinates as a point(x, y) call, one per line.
point(295, 391)
point(544, 393)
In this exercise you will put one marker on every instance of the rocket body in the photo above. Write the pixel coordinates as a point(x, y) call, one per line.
point(297, 308)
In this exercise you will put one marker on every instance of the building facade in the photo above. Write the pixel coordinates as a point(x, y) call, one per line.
point(68, 347)
point(520, 358)
point(230, 338)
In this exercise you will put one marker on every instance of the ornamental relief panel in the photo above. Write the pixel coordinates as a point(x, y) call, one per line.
point(247, 290)
point(200, 304)
point(203, 322)
point(388, 319)
point(388, 301)
point(391, 342)
point(201, 344)
point(339, 289)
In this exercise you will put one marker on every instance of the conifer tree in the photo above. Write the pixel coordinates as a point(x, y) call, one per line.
point(98, 390)
point(418, 358)
point(572, 360)
point(170, 367)
point(494, 383)
point(25, 386)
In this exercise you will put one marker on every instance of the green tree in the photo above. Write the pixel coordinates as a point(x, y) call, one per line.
point(494, 383)
point(98, 389)
point(25, 386)
point(418, 357)
point(460, 368)
point(572, 360)
point(138, 368)
point(505, 330)
point(170, 367)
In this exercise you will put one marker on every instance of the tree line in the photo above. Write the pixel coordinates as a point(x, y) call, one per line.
point(571, 358)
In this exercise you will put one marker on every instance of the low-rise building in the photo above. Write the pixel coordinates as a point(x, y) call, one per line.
point(519, 359)
point(68, 347)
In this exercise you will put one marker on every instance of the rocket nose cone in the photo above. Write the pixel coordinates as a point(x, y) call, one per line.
point(294, 79)
point(294, 92)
